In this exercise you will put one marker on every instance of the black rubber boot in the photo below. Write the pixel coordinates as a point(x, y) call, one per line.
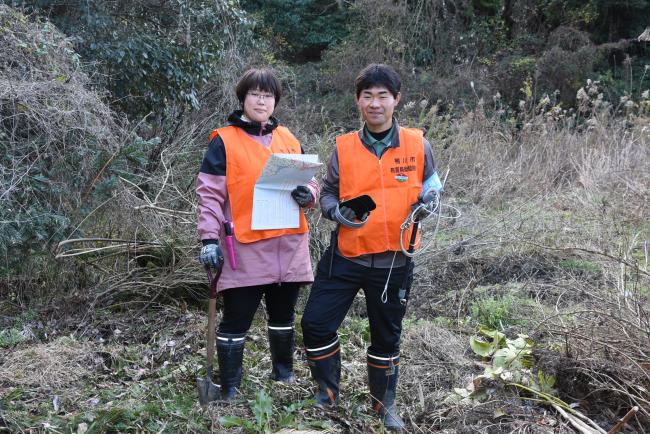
point(230, 353)
point(281, 345)
point(383, 372)
point(325, 366)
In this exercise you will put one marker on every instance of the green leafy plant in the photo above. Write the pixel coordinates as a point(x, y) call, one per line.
point(10, 337)
point(19, 331)
point(486, 348)
point(493, 312)
point(510, 357)
point(265, 420)
point(357, 330)
point(510, 366)
point(580, 266)
point(545, 383)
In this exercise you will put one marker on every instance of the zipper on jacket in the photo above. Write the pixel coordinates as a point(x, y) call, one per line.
point(383, 198)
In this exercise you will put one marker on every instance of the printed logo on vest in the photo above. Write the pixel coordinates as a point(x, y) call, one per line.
point(401, 177)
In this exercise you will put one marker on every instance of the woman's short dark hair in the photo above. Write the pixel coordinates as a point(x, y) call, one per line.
point(378, 74)
point(262, 79)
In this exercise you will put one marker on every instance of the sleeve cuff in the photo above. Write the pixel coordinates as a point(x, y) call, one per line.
point(313, 192)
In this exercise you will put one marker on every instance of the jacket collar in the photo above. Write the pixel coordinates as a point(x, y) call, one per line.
point(393, 144)
point(238, 119)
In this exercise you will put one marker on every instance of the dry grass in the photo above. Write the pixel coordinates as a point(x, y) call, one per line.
point(435, 359)
point(491, 162)
point(59, 364)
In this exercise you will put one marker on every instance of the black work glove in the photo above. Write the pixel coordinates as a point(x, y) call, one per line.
point(347, 217)
point(302, 195)
point(429, 199)
point(211, 256)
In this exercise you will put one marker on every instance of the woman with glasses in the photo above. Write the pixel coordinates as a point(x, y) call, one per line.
point(269, 263)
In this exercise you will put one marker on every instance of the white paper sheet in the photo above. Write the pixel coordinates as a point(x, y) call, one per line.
point(273, 206)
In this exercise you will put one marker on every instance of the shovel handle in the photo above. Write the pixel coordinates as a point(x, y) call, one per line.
point(212, 313)
point(212, 281)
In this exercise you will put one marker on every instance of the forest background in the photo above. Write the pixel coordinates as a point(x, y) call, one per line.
point(529, 312)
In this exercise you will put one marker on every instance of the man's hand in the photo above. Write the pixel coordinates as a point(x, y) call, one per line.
point(347, 217)
point(427, 203)
point(302, 195)
point(211, 256)
point(428, 196)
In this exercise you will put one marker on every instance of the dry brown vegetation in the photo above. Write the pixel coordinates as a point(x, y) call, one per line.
point(52, 121)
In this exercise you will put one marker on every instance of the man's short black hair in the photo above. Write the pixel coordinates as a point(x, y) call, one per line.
point(262, 79)
point(378, 74)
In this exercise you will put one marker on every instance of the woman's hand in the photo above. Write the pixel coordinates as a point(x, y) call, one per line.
point(302, 195)
point(211, 256)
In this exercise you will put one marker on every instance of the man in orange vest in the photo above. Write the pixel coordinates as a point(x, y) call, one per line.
point(395, 167)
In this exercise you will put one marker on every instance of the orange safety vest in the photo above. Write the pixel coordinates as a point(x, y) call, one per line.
point(394, 182)
point(245, 160)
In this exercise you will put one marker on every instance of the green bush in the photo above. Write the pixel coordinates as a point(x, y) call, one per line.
point(300, 30)
point(606, 20)
point(149, 54)
point(55, 136)
point(62, 149)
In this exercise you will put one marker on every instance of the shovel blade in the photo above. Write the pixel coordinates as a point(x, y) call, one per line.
point(208, 391)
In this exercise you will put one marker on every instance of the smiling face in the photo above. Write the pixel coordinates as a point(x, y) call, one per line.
point(258, 92)
point(376, 105)
point(259, 105)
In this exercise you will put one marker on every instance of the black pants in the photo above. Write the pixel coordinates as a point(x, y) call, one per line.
point(240, 305)
point(331, 298)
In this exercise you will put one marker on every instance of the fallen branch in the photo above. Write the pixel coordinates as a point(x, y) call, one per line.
point(581, 426)
point(123, 244)
point(621, 422)
point(158, 208)
point(564, 410)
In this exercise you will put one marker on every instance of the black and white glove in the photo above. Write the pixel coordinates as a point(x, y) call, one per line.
point(211, 256)
point(302, 195)
point(347, 217)
point(427, 203)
